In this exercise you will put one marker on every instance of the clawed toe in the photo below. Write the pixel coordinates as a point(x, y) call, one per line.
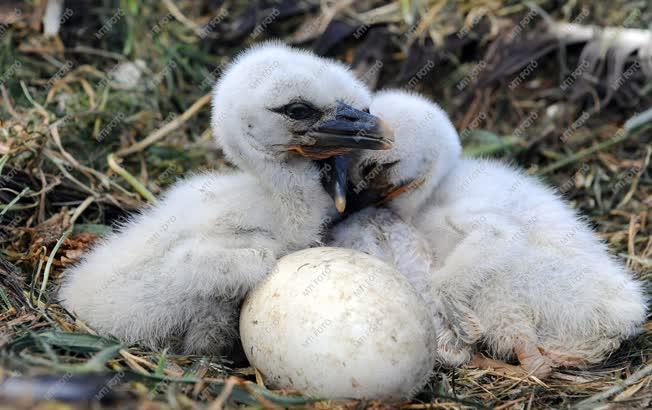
point(562, 359)
point(497, 366)
point(533, 361)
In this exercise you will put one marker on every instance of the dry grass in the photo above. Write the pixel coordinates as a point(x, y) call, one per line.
point(79, 150)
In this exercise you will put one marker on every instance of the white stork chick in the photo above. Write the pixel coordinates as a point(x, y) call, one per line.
point(176, 274)
point(514, 267)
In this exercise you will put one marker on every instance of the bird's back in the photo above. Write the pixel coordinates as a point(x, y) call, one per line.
point(480, 192)
point(533, 250)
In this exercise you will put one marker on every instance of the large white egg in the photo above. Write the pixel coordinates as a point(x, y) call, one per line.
point(338, 323)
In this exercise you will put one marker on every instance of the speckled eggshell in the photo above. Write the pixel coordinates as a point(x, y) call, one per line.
point(338, 323)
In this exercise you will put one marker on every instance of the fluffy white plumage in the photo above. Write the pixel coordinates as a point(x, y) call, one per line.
point(175, 274)
point(513, 266)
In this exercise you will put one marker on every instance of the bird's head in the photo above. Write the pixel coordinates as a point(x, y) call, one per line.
point(426, 146)
point(276, 106)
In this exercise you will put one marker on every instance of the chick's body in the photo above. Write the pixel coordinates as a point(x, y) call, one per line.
point(512, 266)
point(175, 274)
point(532, 272)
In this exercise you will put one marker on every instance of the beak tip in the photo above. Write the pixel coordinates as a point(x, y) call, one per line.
point(340, 204)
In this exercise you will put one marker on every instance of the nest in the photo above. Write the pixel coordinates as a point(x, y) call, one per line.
point(100, 116)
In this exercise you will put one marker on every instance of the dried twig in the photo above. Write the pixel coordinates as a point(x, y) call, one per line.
point(620, 386)
point(592, 150)
point(167, 128)
point(219, 402)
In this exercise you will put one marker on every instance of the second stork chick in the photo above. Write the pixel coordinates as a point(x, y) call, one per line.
point(513, 267)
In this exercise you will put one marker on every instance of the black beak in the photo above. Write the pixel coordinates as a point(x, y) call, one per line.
point(352, 128)
point(334, 179)
point(349, 129)
point(332, 140)
point(379, 193)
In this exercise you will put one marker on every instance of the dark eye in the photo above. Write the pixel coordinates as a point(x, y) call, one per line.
point(298, 111)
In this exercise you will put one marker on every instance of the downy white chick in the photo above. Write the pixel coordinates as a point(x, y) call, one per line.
point(514, 268)
point(176, 273)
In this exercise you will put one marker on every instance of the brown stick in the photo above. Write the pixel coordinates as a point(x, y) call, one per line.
point(166, 129)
